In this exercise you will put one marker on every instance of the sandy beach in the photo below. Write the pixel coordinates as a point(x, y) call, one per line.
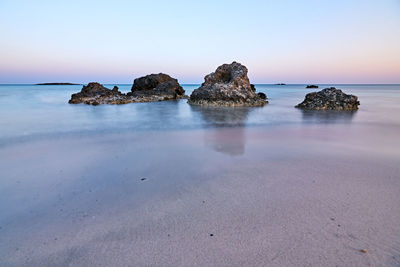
point(279, 196)
point(200, 133)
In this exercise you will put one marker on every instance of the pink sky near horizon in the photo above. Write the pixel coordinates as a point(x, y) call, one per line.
point(296, 42)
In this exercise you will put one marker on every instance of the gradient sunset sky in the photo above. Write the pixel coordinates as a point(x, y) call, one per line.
point(116, 41)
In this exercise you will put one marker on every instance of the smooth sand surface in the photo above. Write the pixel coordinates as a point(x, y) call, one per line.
point(286, 196)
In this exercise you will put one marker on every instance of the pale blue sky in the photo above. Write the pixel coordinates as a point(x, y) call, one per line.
point(279, 41)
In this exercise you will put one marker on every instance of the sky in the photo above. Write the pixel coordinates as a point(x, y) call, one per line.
point(291, 41)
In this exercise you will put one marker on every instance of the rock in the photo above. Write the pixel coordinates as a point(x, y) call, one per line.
point(280, 84)
point(329, 99)
point(227, 86)
point(159, 85)
point(154, 87)
point(312, 86)
point(95, 94)
point(262, 95)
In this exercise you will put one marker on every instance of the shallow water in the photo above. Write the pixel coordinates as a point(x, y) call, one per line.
point(274, 185)
point(29, 110)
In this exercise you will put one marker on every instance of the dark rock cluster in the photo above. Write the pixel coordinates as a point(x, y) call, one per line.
point(329, 99)
point(227, 86)
point(95, 94)
point(157, 86)
point(154, 87)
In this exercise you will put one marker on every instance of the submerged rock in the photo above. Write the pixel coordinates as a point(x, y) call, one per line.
point(329, 99)
point(158, 87)
point(154, 87)
point(227, 86)
point(312, 86)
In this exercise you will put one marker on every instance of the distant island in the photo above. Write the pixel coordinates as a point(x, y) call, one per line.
point(280, 84)
point(57, 84)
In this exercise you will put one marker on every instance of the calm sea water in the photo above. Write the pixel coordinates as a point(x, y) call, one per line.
point(32, 111)
point(274, 183)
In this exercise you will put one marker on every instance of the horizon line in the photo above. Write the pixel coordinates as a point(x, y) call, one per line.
point(278, 84)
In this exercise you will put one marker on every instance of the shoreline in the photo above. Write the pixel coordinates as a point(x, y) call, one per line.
point(269, 200)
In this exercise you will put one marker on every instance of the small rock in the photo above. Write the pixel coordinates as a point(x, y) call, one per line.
point(211, 234)
point(94, 94)
point(262, 95)
point(143, 179)
point(329, 99)
point(312, 86)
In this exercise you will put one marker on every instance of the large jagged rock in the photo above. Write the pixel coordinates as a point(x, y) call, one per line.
point(154, 87)
point(158, 86)
point(329, 99)
point(227, 86)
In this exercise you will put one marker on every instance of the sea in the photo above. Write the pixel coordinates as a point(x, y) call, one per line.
point(170, 184)
point(42, 111)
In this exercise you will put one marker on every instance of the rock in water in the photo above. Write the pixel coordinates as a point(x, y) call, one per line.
point(160, 86)
point(262, 95)
point(312, 86)
point(329, 99)
point(95, 94)
point(154, 87)
point(227, 86)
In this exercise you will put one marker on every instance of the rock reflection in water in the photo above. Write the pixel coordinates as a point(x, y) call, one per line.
point(327, 116)
point(228, 135)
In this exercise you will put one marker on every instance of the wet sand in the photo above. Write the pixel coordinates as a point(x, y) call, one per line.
point(309, 195)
